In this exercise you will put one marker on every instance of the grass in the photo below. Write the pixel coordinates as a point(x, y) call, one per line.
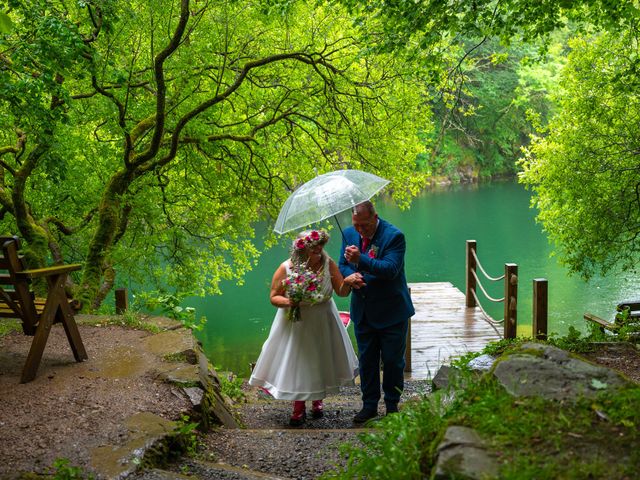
point(532, 438)
point(402, 445)
point(8, 326)
point(129, 319)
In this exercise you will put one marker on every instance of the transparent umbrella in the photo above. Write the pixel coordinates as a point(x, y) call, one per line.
point(325, 196)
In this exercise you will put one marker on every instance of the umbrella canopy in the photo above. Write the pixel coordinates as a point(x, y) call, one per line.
point(326, 196)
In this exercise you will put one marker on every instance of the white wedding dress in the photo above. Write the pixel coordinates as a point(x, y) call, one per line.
point(308, 359)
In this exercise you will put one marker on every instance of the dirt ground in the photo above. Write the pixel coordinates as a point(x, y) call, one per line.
point(624, 357)
point(71, 408)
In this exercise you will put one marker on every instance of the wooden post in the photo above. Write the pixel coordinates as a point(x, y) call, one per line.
point(540, 308)
point(510, 300)
point(470, 279)
point(407, 351)
point(122, 301)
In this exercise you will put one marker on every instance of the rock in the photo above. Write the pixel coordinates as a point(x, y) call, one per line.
point(482, 363)
point(448, 376)
point(462, 455)
point(549, 372)
point(182, 374)
point(443, 377)
point(195, 395)
point(169, 342)
point(215, 408)
point(146, 432)
point(158, 474)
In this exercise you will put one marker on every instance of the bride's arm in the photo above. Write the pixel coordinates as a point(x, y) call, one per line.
point(341, 288)
point(277, 294)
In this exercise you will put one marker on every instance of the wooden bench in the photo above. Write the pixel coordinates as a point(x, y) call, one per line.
point(17, 300)
point(634, 314)
point(632, 305)
point(601, 322)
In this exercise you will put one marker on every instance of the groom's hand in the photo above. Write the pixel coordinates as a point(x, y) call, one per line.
point(355, 281)
point(352, 254)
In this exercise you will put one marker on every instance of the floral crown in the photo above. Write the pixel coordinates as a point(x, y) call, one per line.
point(311, 239)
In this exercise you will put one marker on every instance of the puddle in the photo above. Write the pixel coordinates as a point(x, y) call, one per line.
point(121, 362)
point(118, 461)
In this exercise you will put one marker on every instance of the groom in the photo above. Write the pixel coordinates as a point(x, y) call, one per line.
point(372, 262)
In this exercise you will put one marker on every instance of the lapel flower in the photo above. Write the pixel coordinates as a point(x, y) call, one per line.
point(373, 251)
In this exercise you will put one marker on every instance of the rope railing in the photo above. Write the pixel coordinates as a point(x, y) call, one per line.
point(479, 284)
point(487, 317)
point(510, 298)
point(479, 265)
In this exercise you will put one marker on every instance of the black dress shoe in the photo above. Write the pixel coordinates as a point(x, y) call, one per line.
point(364, 415)
point(392, 409)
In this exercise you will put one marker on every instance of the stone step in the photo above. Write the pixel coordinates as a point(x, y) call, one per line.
point(285, 453)
point(203, 470)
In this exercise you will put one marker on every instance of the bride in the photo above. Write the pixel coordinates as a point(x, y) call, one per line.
point(311, 358)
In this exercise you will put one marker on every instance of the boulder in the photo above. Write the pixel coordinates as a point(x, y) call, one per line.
point(543, 370)
point(462, 455)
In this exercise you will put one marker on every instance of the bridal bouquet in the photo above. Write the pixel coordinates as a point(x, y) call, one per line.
point(302, 285)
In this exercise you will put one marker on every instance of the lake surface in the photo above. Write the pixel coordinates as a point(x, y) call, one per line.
point(436, 226)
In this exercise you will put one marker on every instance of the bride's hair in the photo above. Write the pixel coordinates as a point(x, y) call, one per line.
point(305, 240)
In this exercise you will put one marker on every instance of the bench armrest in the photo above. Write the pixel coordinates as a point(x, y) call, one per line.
point(48, 271)
point(600, 321)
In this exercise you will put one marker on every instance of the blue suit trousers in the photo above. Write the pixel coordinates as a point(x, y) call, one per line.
point(381, 344)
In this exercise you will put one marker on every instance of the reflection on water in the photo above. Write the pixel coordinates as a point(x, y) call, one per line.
point(436, 227)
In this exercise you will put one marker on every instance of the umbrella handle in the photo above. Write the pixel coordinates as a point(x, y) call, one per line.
point(341, 232)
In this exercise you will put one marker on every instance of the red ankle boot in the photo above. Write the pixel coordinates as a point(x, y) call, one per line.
point(317, 409)
point(299, 414)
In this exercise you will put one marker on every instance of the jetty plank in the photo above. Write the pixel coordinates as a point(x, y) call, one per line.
point(443, 327)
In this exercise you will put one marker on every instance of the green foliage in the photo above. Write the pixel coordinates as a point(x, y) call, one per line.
point(187, 432)
point(6, 25)
point(422, 23)
point(63, 470)
point(133, 319)
point(628, 326)
point(231, 386)
point(169, 304)
point(152, 160)
point(531, 437)
point(583, 169)
point(7, 326)
point(501, 346)
point(400, 446)
point(573, 341)
point(525, 431)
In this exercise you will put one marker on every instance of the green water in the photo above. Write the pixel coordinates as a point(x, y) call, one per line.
point(436, 227)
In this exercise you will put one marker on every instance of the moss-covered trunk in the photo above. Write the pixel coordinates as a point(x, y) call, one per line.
point(36, 238)
point(110, 214)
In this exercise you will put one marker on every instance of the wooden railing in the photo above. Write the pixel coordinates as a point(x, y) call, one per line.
point(510, 299)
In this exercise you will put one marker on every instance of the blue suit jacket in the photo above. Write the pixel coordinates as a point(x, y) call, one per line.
point(385, 301)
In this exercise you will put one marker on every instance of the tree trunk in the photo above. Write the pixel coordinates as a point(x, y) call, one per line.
point(104, 238)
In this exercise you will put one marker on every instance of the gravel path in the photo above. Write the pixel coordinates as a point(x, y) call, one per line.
point(268, 448)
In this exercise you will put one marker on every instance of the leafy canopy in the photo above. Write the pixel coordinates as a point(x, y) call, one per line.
point(584, 170)
point(158, 133)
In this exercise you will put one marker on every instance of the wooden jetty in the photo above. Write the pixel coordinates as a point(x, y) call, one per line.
point(443, 327)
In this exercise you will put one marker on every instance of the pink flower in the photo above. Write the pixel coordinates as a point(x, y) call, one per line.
point(315, 235)
point(300, 244)
point(372, 254)
point(311, 288)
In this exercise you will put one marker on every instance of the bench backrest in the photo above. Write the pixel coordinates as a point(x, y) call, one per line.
point(16, 297)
